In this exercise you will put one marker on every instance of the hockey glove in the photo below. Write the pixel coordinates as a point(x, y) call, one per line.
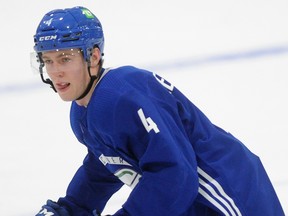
point(52, 208)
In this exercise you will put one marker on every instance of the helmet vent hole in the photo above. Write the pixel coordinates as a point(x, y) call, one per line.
point(71, 36)
point(66, 35)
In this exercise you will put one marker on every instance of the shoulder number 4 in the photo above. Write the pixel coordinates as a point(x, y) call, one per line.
point(148, 123)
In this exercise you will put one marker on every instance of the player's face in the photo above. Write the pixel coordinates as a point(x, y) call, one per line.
point(68, 72)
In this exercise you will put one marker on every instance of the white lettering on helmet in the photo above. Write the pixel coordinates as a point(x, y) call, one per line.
point(48, 22)
point(46, 38)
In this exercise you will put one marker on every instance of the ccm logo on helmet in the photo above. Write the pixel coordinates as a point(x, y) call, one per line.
point(46, 38)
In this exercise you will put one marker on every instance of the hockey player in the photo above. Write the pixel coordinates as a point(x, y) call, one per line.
point(141, 131)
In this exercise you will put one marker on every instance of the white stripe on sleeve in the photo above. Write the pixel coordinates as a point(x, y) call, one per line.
point(221, 196)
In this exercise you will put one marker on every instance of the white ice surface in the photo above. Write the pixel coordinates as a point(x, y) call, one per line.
point(229, 57)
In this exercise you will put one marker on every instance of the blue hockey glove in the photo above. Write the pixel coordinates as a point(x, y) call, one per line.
point(52, 208)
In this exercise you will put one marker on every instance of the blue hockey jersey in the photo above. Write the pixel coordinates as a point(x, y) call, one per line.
point(143, 132)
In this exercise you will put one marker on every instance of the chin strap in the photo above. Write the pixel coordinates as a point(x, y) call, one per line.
point(92, 79)
point(47, 81)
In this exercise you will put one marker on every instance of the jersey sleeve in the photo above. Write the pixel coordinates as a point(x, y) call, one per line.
point(90, 188)
point(153, 137)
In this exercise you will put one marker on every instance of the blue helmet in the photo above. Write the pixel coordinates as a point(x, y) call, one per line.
point(75, 27)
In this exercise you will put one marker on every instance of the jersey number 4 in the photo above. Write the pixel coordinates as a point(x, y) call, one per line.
point(148, 123)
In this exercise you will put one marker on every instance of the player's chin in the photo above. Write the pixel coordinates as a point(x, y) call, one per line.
point(67, 97)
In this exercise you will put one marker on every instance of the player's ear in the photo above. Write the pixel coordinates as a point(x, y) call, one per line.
point(95, 57)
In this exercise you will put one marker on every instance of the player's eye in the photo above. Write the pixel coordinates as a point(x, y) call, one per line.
point(65, 59)
point(47, 61)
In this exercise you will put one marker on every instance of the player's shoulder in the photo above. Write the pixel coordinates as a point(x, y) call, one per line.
point(119, 84)
point(122, 78)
